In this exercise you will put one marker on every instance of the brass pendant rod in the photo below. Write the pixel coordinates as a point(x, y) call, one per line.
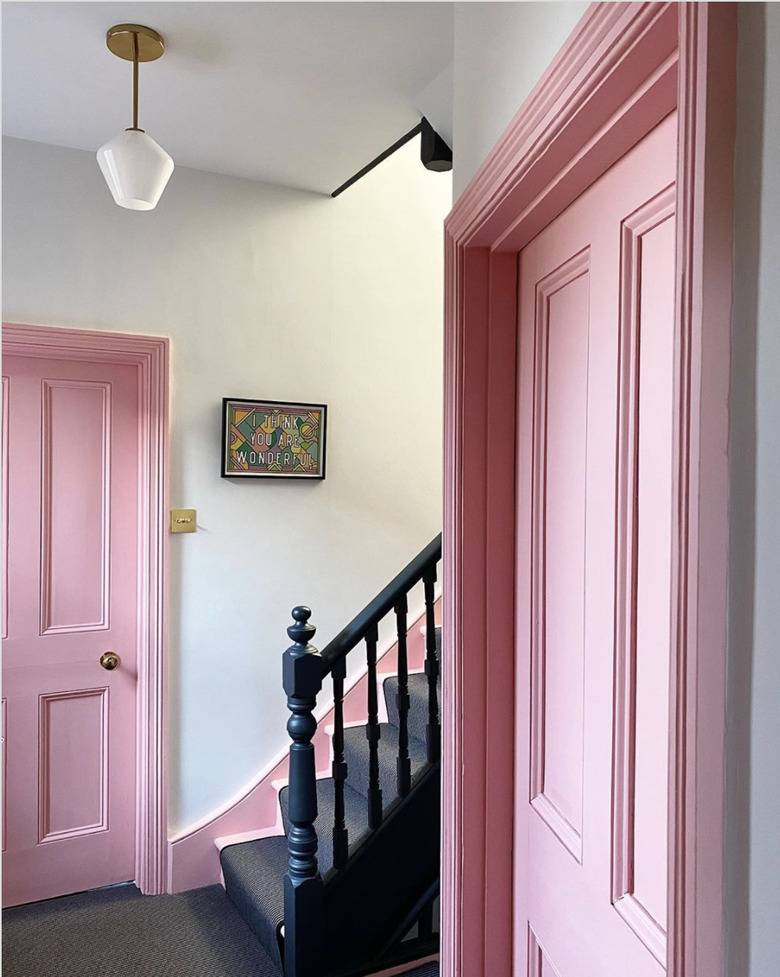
point(135, 81)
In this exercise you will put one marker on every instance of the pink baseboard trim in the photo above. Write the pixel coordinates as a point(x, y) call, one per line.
point(192, 854)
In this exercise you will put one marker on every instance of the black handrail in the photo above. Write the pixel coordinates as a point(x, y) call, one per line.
point(382, 604)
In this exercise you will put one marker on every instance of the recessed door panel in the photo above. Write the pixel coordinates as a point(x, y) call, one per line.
point(654, 569)
point(74, 506)
point(73, 764)
point(559, 474)
point(644, 570)
point(538, 962)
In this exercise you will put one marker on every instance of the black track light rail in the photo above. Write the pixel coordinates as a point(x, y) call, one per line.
point(380, 158)
point(435, 154)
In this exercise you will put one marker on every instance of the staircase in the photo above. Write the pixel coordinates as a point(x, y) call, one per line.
point(351, 887)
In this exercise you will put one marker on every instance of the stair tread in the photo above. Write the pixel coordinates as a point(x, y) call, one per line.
point(417, 718)
point(253, 873)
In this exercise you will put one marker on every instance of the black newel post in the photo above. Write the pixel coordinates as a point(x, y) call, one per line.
point(303, 920)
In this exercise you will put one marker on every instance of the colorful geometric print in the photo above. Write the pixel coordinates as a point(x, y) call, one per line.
point(269, 440)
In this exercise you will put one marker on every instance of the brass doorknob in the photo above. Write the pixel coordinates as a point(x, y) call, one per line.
point(109, 660)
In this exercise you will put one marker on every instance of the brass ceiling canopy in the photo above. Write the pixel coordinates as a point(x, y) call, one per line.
point(132, 42)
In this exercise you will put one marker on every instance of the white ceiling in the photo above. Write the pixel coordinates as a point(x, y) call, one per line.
point(301, 94)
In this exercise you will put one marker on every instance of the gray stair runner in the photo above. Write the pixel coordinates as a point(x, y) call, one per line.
point(254, 870)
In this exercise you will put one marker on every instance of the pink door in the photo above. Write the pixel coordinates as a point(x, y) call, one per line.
point(70, 520)
point(595, 510)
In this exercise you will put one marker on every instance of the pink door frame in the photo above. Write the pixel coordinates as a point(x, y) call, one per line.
point(623, 69)
point(149, 354)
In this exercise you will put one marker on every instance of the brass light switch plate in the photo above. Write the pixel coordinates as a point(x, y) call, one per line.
point(184, 521)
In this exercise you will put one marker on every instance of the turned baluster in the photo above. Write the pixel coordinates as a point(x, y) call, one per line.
point(303, 911)
point(433, 729)
point(373, 734)
point(403, 764)
point(339, 768)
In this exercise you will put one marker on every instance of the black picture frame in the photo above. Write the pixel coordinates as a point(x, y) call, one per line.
point(278, 448)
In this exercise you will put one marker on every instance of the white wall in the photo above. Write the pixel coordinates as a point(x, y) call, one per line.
point(265, 292)
point(753, 801)
point(501, 51)
point(435, 103)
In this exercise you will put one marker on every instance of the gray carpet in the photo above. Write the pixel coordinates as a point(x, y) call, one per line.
point(117, 932)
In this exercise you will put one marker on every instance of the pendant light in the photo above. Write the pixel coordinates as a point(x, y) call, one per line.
point(135, 167)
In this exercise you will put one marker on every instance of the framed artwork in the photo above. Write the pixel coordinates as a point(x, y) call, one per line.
point(269, 439)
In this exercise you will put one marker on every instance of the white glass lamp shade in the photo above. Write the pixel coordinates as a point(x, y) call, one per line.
point(136, 169)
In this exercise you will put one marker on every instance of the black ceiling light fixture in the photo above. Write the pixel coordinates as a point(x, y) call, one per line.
point(435, 154)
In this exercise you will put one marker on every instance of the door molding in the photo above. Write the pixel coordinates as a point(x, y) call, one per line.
point(625, 67)
point(149, 354)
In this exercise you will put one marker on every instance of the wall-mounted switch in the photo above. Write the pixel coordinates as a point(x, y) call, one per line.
point(183, 521)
